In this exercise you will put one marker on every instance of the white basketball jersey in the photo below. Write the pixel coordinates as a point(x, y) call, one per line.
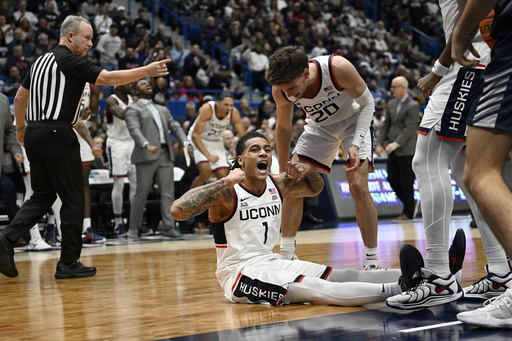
point(86, 102)
point(116, 127)
point(214, 127)
point(252, 229)
point(330, 103)
point(450, 13)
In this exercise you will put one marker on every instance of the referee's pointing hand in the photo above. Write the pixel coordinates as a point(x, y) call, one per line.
point(157, 69)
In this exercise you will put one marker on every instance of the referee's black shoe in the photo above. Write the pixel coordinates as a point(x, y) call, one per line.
point(74, 270)
point(7, 266)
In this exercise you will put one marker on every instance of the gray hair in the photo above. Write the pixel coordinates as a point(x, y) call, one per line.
point(72, 24)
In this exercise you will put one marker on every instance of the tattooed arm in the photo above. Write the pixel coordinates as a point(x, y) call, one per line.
point(217, 195)
point(300, 180)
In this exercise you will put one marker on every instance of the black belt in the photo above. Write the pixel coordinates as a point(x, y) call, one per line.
point(163, 145)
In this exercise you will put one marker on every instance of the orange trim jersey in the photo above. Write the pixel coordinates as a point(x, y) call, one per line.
point(214, 127)
point(251, 231)
point(330, 103)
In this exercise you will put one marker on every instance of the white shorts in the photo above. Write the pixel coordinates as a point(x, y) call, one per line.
point(85, 149)
point(119, 157)
point(319, 145)
point(214, 148)
point(26, 164)
point(448, 90)
point(266, 281)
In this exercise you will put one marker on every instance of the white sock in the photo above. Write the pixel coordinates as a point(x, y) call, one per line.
point(50, 219)
point(372, 253)
point(34, 233)
point(87, 224)
point(391, 289)
point(119, 221)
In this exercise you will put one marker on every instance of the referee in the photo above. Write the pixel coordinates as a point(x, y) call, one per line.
point(46, 107)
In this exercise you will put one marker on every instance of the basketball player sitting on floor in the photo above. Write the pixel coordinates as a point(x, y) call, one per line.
point(245, 210)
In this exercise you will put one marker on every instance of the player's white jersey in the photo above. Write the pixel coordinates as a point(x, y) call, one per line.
point(330, 103)
point(251, 231)
point(450, 13)
point(214, 127)
point(116, 127)
point(85, 102)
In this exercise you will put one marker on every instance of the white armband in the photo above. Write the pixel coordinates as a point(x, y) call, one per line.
point(364, 121)
point(439, 69)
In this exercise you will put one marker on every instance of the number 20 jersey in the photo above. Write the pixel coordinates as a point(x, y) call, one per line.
point(331, 103)
point(251, 231)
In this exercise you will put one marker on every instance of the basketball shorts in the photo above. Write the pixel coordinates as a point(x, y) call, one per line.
point(450, 104)
point(319, 145)
point(266, 281)
point(119, 157)
point(493, 107)
point(214, 148)
point(85, 149)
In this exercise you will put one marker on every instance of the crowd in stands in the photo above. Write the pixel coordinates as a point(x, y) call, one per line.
point(249, 30)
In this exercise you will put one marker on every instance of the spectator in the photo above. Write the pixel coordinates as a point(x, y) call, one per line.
point(211, 34)
point(109, 46)
point(190, 115)
point(257, 62)
point(7, 29)
point(245, 108)
point(27, 31)
point(14, 82)
point(160, 93)
point(140, 34)
point(17, 59)
point(187, 90)
point(160, 36)
point(23, 13)
point(130, 60)
point(4, 50)
point(178, 53)
point(50, 13)
point(89, 9)
point(42, 27)
point(102, 21)
point(319, 49)
point(194, 62)
point(220, 80)
point(65, 11)
point(141, 19)
point(122, 22)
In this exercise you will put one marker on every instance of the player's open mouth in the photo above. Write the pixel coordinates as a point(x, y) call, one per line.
point(262, 165)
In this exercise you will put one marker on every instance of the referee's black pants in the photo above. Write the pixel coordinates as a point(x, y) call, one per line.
point(53, 151)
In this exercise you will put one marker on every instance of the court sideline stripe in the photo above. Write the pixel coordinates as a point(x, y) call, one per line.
point(433, 326)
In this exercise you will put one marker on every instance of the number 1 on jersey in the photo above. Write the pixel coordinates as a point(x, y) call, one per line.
point(266, 232)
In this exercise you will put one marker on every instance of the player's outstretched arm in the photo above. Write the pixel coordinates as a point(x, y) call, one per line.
point(199, 199)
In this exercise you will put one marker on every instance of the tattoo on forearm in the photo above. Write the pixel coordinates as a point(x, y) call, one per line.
point(199, 199)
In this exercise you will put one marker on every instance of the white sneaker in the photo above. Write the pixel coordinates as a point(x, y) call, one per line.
point(371, 264)
point(496, 313)
point(489, 286)
point(38, 244)
point(431, 291)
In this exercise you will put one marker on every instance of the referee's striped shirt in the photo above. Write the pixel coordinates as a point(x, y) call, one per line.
point(56, 83)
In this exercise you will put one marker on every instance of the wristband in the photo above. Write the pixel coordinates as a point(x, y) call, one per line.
point(439, 69)
point(21, 129)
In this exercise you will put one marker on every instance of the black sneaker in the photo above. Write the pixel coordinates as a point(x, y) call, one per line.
point(74, 270)
point(7, 266)
point(457, 252)
point(411, 262)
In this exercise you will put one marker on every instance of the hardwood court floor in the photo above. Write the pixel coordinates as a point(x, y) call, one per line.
point(169, 290)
